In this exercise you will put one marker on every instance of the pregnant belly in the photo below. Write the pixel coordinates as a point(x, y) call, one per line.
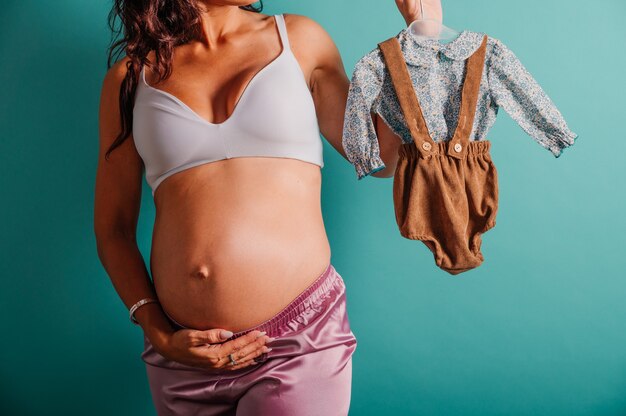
point(233, 256)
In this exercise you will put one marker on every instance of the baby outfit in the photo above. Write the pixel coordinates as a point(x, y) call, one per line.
point(445, 185)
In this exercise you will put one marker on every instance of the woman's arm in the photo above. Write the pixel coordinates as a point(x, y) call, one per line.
point(329, 83)
point(117, 203)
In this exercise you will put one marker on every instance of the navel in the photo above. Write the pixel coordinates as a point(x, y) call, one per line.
point(201, 272)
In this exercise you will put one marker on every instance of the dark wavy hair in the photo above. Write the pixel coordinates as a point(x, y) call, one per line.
point(157, 25)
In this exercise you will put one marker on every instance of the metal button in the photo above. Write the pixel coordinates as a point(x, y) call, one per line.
point(458, 147)
point(426, 146)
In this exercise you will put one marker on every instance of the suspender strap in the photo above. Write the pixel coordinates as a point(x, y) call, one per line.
point(469, 100)
point(401, 79)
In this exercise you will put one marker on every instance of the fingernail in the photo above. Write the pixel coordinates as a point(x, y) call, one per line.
point(268, 350)
point(271, 339)
point(226, 334)
point(261, 334)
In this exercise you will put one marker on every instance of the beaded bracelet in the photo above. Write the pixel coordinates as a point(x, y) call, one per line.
point(136, 306)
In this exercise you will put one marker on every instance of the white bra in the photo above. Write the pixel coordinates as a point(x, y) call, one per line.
point(274, 117)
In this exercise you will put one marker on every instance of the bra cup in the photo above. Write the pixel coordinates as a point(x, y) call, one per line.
point(287, 125)
point(275, 117)
point(158, 134)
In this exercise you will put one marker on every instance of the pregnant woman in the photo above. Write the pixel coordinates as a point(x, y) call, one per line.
point(222, 108)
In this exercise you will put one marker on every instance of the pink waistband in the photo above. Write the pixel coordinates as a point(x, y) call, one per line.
point(315, 292)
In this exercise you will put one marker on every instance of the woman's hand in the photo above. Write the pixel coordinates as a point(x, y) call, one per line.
point(206, 349)
point(410, 9)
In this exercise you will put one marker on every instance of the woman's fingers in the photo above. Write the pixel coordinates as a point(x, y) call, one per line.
point(209, 336)
point(247, 359)
point(245, 353)
point(243, 348)
point(409, 9)
point(240, 348)
point(251, 340)
point(412, 9)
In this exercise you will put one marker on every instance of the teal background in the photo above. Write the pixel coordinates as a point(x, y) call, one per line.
point(538, 329)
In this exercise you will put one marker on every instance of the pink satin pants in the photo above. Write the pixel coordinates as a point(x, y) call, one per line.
point(307, 373)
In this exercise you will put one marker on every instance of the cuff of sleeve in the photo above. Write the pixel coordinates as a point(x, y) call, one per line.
point(556, 144)
point(365, 170)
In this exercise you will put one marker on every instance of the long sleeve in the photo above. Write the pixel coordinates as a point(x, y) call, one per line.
point(359, 138)
point(514, 89)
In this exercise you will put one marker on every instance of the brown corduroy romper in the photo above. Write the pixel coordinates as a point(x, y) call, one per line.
point(445, 193)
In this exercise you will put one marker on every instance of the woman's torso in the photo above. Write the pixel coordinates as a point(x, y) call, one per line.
point(235, 238)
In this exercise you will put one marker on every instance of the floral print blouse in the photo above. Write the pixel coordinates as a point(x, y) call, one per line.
point(437, 72)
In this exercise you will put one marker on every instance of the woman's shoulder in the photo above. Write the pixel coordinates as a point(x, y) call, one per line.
point(305, 30)
point(114, 76)
point(311, 42)
point(299, 20)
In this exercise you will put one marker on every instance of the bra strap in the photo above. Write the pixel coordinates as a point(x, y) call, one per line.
point(469, 99)
point(282, 30)
point(407, 97)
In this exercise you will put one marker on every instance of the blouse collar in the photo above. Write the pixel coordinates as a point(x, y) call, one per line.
point(424, 52)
